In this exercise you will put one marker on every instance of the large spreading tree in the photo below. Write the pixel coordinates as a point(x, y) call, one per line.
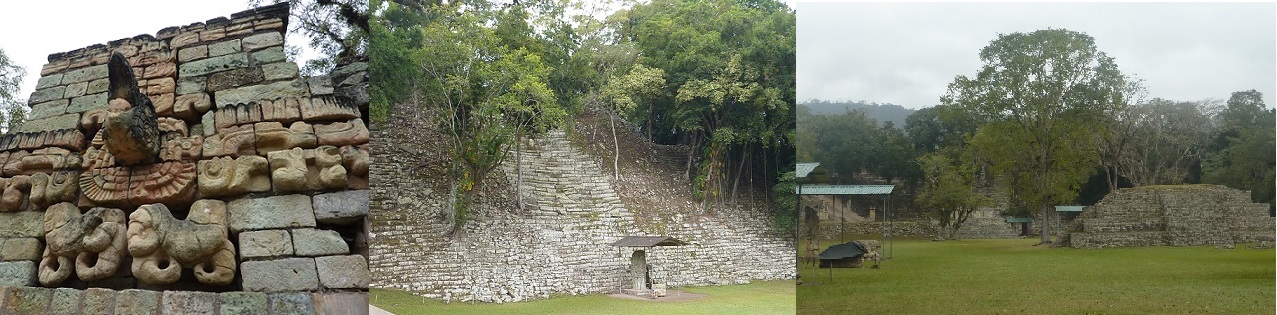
point(1043, 96)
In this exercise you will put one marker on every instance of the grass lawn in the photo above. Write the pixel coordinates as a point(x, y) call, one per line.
point(1011, 276)
point(759, 297)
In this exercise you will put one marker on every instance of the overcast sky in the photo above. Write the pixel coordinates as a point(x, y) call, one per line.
point(31, 30)
point(908, 53)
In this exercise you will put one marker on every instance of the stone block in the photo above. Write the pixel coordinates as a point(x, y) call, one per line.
point(160, 86)
point(87, 103)
point(76, 89)
point(162, 70)
point(320, 85)
point(189, 302)
point(242, 303)
point(284, 111)
point(280, 70)
point(48, 81)
point(47, 94)
point(252, 93)
point(313, 242)
point(65, 121)
point(294, 303)
point(27, 300)
point(265, 243)
point(344, 207)
point(22, 224)
point(134, 301)
point(49, 109)
point(188, 85)
point(84, 74)
point(234, 78)
point(338, 303)
point(18, 273)
point(223, 48)
point(98, 301)
point(288, 274)
point(263, 40)
point(343, 272)
point(65, 301)
point(269, 55)
point(276, 212)
point(25, 248)
point(98, 86)
point(212, 65)
point(192, 53)
point(230, 115)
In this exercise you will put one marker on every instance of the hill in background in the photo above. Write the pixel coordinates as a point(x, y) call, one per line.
point(880, 112)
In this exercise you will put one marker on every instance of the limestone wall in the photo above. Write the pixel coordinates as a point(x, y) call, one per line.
point(1186, 215)
point(559, 242)
point(260, 183)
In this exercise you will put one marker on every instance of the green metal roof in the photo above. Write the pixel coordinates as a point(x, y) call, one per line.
point(1019, 220)
point(1069, 208)
point(846, 189)
point(802, 169)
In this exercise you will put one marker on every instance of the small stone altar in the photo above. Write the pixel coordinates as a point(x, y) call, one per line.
point(190, 171)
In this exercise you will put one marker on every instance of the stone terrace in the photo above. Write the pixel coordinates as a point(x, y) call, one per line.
point(1185, 215)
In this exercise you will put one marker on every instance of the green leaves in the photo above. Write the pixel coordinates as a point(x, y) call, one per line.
point(12, 107)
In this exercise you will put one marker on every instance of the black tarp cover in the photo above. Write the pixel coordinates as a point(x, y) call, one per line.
point(845, 250)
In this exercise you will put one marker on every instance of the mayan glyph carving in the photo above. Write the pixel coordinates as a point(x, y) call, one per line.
point(44, 160)
point(131, 132)
point(14, 196)
point(272, 136)
point(92, 244)
point(231, 141)
point(313, 169)
point(353, 132)
point(225, 176)
point(355, 158)
point(52, 188)
point(162, 245)
point(168, 182)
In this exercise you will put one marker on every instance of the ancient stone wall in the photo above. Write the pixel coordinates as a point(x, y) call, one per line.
point(559, 243)
point(1185, 215)
point(258, 181)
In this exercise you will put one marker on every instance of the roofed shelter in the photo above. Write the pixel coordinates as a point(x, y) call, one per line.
point(640, 279)
point(860, 190)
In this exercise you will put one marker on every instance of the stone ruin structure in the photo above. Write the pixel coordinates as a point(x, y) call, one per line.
point(561, 242)
point(1183, 215)
point(190, 171)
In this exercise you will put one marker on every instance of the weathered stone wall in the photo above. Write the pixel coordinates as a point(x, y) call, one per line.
point(34, 300)
point(1186, 215)
point(559, 242)
point(261, 174)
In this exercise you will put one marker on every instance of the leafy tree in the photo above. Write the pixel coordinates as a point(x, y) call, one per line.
point(1043, 95)
point(484, 95)
point(1164, 139)
point(948, 190)
point(337, 28)
point(12, 107)
point(625, 93)
point(1245, 160)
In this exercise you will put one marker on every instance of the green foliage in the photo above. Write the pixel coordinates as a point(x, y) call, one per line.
point(1043, 95)
point(851, 144)
point(949, 189)
point(1245, 158)
point(336, 28)
point(12, 107)
point(786, 201)
point(483, 94)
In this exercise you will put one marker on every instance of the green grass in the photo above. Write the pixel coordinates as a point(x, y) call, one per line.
point(1011, 276)
point(760, 297)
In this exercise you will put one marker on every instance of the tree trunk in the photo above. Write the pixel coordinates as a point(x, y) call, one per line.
point(616, 148)
point(1046, 225)
point(739, 173)
point(518, 167)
